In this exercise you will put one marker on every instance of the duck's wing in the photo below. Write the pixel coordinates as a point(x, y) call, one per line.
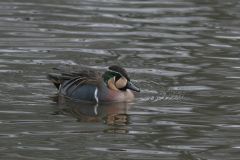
point(70, 78)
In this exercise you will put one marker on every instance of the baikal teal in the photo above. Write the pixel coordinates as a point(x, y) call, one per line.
point(95, 86)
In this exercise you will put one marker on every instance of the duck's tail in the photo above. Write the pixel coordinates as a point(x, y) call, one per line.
point(54, 79)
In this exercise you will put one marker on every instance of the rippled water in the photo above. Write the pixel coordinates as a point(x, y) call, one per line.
point(184, 55)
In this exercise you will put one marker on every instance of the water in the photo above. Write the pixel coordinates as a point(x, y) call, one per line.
point(183, 55)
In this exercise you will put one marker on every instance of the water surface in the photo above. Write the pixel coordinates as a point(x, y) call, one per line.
point(184, 55)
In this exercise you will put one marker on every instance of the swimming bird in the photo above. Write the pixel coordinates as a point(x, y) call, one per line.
point(87, 85)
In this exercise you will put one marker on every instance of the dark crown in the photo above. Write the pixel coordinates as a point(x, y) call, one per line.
point(120, 70)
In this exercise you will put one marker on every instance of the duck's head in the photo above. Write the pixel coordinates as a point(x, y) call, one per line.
point(117, 78)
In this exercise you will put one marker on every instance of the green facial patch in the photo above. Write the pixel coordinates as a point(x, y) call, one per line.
point(108, 75)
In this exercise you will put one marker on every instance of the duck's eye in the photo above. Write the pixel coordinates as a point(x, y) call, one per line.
point(118, 76)
point(121, 83)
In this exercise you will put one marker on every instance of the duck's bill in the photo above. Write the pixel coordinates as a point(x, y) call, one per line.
point(132, 87)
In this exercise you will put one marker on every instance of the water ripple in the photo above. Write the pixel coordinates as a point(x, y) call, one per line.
point(139, 151)
point(184, 55)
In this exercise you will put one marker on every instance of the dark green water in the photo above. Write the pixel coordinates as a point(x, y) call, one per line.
point(184, 55)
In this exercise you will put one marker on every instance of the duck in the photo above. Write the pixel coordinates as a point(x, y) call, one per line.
point(113, 85)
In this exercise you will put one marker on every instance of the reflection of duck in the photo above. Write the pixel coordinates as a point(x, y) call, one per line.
point(113, 85)
point(108, 113)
